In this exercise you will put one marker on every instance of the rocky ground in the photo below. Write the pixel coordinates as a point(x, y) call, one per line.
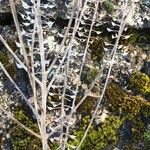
point(134, 58)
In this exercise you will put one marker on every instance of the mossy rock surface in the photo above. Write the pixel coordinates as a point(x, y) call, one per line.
point(88, 75)
point(97, 50)
point(10, 67)
point(87, 106)
point(21, 139)
point(119, 102)
point(139, 35)
point(109, 6)
point(140, 83)
point(100, 137)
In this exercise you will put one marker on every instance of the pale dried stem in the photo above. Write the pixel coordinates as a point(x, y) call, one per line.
point(18, 89)
point(121, 28)
point(83, 61)
point(18, 59)
point(26, 60)
point(75, 28)
point(38, 22)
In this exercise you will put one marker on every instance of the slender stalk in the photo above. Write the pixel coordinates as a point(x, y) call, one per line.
point(43, 73)
point(85, 52)
point(82, 64)
point(75, 28)
point(121, 28)
point(21, 93)
point(26, 60)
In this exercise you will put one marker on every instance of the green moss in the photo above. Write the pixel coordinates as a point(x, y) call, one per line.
point(114, 97)
point(20, 138)
point(54, 146)
point(87, 106)
point(146, 139)
point(138, 35)
point(130, 146)
point(89, 75)
point(140, 82)
point(12, 44)
point(109, 5)
point(93, 73)
point(145, 111)
point(134, 37)
point(97, 51)
point(137, 131)
point(4, 59)
point(99, 137)
point(119, 102)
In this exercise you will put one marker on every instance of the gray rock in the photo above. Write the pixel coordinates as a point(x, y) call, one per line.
point(4, 6)
point(146, 68)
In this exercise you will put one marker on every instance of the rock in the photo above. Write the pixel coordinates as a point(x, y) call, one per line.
point(4, 6)
point(146, 2)
point(6, 18)
point(124, 133)
point(146, 68)
point(5, 13)
point(7, 32)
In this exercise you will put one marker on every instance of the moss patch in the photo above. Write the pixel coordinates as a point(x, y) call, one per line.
point(4, 59)
point(140, 82)
point(109, 6)
point(118, 101)
point(87, 106)
point(96, 48)
point(20, 138)
point(98, 137)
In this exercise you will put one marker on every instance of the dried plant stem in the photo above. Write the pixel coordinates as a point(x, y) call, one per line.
point(17, 59)
point(121, 28)
point(18, 89)
point(26, 60)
